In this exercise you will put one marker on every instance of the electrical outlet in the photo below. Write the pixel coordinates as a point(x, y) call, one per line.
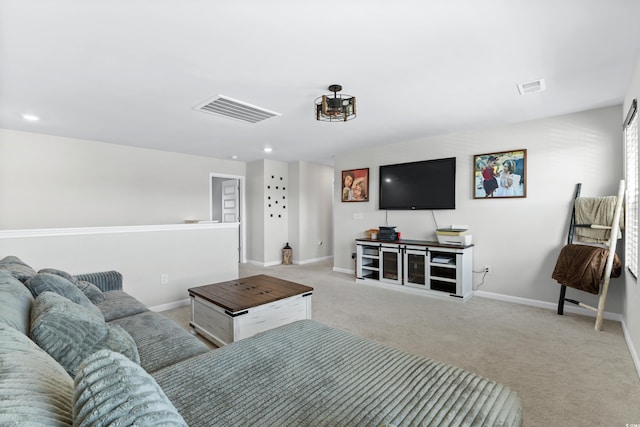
point(487, 269)
point(164, 278)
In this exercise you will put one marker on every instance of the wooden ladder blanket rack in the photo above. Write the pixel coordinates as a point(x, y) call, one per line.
point(611, 246)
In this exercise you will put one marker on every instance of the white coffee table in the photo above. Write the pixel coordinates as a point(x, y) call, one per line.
point(230, 311)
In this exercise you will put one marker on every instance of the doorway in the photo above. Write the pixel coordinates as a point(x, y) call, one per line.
point(226, 204)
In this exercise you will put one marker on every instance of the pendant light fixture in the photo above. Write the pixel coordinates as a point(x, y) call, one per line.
point(336, 108)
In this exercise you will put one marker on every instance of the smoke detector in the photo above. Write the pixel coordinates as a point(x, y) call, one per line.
point(531, 87)
point(234, 109)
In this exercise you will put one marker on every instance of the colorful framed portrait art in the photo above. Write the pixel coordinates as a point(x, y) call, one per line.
point(355, 185)
point(500, 175)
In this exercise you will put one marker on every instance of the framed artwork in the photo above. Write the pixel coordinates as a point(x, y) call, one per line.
point(355, 185)
point(500, 175)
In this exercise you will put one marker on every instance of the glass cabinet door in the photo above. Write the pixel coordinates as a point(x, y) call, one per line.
point(391, 265)
point(416, 263)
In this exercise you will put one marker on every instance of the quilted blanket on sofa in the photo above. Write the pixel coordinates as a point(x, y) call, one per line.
point(309, 374)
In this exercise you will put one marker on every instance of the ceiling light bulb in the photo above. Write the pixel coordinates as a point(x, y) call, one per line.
point(234, 157)
point(268, 149)
point(30, 117)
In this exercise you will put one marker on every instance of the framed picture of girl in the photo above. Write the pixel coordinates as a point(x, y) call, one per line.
point(500, 175)
point(355, 185)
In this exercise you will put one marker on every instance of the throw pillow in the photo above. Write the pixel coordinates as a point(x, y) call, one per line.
point(120, 341)
point(42, 282)
point(111, 390)
point(60, 273)
point(69, 332)
point(17, 268)
point(16, 302)
point(92, 292)
point(89, 289)
point(35, 388)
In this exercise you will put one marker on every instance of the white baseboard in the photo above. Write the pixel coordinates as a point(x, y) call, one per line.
point(297, 262)
point(170, 306)
point(632, 348)
point(264, 264)
point(271, 263)
point(344, 270)
point(544, 304)
point(310, 261)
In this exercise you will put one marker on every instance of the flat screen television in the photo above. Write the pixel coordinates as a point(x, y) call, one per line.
point(428, 184)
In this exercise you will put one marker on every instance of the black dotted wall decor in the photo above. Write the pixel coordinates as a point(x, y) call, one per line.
point(276, 196)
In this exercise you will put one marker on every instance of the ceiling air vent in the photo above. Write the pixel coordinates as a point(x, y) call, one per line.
point(234, 109)
point(531, 87)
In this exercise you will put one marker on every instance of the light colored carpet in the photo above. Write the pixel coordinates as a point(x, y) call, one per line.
point(566, 373)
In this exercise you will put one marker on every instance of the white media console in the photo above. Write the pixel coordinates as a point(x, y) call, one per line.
point(424, 267)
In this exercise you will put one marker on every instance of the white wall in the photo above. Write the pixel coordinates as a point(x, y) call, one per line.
point(294, 233)
point(255, 211)
point(632, 288)
point(48, 181)
point(316, 211)
point(190, 255)
point(276, 214)
point(51, 182)
point(519, 238)
point(311, 213)
point(305, 210)
point(267, 202)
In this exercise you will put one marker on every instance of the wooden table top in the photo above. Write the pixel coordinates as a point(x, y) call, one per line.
point(247, 292)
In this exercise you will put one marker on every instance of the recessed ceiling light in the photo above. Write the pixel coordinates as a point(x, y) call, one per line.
point(234, 157)
point(30, 117)
point(268, 149)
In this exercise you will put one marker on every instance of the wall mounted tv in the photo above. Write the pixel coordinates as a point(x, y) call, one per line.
point(428, 184)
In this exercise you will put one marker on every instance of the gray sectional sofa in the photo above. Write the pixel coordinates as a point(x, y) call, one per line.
point(78, 350)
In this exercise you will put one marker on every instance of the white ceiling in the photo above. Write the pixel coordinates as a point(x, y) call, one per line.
point(131, 71)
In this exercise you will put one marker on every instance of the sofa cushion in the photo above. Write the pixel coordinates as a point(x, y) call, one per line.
point(16, 302)
point(19, 269)
point(119, 304)
point(161, 342)
point(69, 332)
point(89, 289)
point(42, 282)
point(111, 390)
point(34, 388)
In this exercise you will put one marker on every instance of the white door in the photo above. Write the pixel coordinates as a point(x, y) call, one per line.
point(230, 201)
